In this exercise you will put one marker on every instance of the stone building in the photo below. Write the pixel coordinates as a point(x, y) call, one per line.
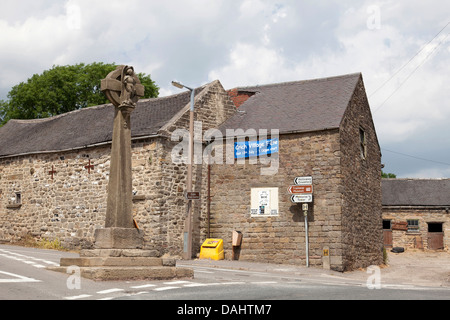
point(416, 213)
point(325, 132)
point(54, 172)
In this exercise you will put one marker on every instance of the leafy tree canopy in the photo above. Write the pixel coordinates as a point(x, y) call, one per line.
point(388, 175)
point(62, 89)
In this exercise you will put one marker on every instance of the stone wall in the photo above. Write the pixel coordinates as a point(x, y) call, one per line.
point(72, 204)
point(417, 239)
point(362, 236)
point(281, 238)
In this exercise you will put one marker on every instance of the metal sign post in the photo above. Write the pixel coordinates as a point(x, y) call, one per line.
point(302, 192)
point(305, 213)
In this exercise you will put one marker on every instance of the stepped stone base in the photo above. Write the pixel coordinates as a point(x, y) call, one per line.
point(117, 256)
point(131, 273)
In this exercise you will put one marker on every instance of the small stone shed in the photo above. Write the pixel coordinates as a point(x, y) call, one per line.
point(416, 213)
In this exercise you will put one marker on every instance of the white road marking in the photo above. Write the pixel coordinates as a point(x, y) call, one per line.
point(144, 286)
point(192, 285)
point(17, 278)
point(165, 288)
point(26, 259)
point(177, 282)
point(110, 291)
point(81, 296)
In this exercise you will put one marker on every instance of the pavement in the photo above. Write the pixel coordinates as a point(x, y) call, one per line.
point(410, 268)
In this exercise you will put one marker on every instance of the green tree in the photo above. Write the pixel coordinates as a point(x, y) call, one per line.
point(62, 89)
point(388, 175)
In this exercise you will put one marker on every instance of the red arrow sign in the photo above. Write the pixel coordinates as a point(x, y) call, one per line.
point(300, 189)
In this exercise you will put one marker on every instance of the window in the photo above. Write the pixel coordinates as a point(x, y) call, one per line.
point(362, 143)
point(18, 198)
point(413, 225)
point(387, 224)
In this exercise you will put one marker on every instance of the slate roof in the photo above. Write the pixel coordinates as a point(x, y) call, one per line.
point(298, 106)
point(415, 192)
point(87, 127)
point(309, 105)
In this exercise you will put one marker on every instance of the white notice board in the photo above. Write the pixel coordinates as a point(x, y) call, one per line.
point(264, 202)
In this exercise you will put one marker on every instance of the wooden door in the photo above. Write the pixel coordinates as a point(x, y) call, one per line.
point(387, 235)
point(435, 240)
point(435, 236)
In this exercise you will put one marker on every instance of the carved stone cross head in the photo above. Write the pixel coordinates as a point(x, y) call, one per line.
point(122, 87)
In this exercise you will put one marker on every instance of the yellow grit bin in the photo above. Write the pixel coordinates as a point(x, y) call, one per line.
point(212, 249)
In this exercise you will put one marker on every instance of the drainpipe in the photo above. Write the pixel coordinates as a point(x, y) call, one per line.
point(208, 203)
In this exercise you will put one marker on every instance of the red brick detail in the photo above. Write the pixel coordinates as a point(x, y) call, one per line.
point(239, 97)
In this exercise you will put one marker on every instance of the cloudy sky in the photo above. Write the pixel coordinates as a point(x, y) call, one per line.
point(401, 47)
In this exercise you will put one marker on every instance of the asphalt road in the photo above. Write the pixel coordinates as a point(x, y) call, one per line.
point(23, 277)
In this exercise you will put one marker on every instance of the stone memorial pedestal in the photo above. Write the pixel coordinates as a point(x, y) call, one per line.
point(118, 255)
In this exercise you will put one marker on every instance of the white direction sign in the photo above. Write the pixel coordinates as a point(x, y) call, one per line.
point(302, 181)
point(301, 198)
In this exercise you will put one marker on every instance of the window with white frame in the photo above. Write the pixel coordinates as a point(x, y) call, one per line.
point(413, 225)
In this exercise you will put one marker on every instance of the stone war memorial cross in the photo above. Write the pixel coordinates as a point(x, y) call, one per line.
point(119, 252)
point(124, 96)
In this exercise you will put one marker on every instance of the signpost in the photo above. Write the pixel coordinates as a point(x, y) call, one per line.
point(301, 198)
point(192, 195)
point(301, 192)
point(300, 189)
point(302, 181)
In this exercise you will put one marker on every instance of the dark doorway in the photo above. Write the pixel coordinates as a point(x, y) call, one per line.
point(435, 236)
point(387, 233)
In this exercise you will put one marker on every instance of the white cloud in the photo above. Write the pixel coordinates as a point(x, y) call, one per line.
point(251, 64)
point(246, 43)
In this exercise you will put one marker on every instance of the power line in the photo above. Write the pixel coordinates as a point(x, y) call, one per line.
point(409, 76)
point(423, 47)
point(418, 158)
